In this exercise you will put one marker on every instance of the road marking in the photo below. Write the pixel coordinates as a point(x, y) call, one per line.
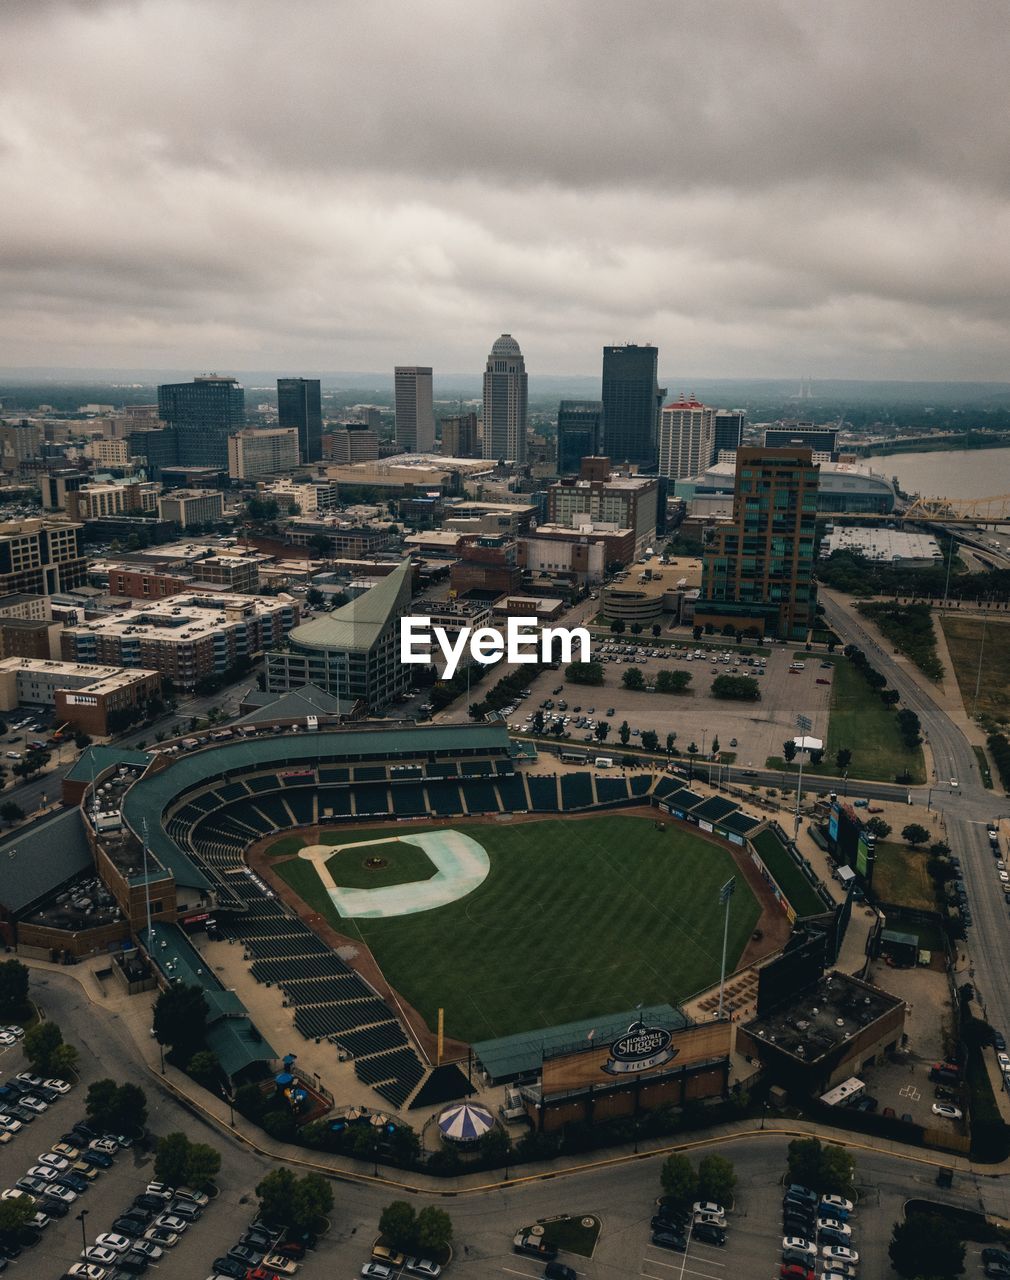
point(672, 1266)
point(530, 1275)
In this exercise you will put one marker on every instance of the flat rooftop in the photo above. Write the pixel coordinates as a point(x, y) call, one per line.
point(84, 675)
point(888, 546)
point(819, 1019)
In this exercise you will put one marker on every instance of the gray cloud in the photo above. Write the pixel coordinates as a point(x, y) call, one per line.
point(761, 189)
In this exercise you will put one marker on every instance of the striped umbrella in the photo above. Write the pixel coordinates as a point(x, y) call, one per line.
point(465, 1121)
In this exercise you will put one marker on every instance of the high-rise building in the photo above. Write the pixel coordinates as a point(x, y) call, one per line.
point(758, 570)
point(631, 401)
point(460, 438)
point(351, 442)
point(790, 435)
point(202, 414)
point(686, 438)
point(253, 454)
point(299, 404)
point(729, 425)
point(506, 393)
point(599, 497)
point(580, 433)
point(415, 415)
point(188, 507)
point(41, 557)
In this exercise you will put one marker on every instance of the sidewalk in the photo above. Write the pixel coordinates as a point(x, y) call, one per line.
point(215, 1110)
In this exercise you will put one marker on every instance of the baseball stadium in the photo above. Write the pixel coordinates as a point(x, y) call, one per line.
point(401, 915)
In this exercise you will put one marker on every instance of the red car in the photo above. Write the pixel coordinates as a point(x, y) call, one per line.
point(821, 680)
point(793, 1271)
point(261, 1273)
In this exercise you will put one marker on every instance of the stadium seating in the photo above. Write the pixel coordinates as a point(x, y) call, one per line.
point(611, 790)
point(370, 773)
point(641, 784)
point(576, 791)
point(513, 794)
point(543, 793)
point(408, 800)
point(334, 802)
point(329, 774)
point(481, 797)
point(444, 799)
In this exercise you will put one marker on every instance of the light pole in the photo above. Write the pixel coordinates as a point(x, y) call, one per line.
point(725, 894)
point(84, 1235)
point(804, 724)
point(978, 681)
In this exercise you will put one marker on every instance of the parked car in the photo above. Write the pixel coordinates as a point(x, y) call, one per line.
point(710, 1234)
point(668, 1239)
point(947, 1110)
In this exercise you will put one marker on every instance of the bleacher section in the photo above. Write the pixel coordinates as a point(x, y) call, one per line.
point(481, 797)
point(543, 793)
point(576, 791)
point(611, 790)
point(513, 794)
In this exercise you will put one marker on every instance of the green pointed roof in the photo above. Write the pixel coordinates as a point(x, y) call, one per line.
point(358, 624)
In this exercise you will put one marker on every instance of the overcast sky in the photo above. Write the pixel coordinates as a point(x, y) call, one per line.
point(762, 189)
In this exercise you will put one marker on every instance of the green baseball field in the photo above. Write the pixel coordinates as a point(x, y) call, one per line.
point(574, 919)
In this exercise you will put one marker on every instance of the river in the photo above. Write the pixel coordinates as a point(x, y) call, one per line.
point(960, 473)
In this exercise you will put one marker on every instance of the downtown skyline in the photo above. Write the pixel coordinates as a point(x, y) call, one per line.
point(760, 193)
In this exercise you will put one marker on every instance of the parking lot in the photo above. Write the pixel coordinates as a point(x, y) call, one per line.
point(759, 727)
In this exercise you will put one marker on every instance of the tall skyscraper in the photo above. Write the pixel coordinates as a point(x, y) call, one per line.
point(415, 417)
point(580, 433)
point(631, 401)
point(202, 414)
point(686, 436)
point(758, 571)
point(729, 425)
point(459, 436)
point(299, 404)
point(506, 393)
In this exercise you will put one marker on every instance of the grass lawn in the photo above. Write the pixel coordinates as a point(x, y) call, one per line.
point(405, 863)
point(860, 722)
point(964, 642)
point(789, 878)
point(985, 773)
point(574, 919)
point(570, 1234)
point(900, 876)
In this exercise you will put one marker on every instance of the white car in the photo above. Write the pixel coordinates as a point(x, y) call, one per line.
point(796, 1244)
point(947, 1111)
point(62, 1193)
point(710, 1220)
point(34, 1104)
point(832, 1267)
point(57, 1162)
point(1004, 1062)
point(17, 1032)
point(9, 1125)
point(107, 1146)
point(162, 1236)
point(15, 1193)
point(7, 1039)
point(277, 1263)
point(149, 1249)
point(43, 1171)
point(88, 1269)
point(58, 1086)
point(834, 1224)
point(172, 1221)
point(112, 1240)
point(422, 1267)
point(839, 1253)
point(95, 1253)
point(708, 1206)
point(26, 1077)
point(838, 1202)
point(161, 1189)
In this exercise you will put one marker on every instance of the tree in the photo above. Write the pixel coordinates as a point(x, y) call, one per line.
point(822, 1168)
point(171, 1161)
point(650, 739)
point(633, 678)
point(697, 632)
point(636, 628)
point(41, 1044)
point(11, 812)
point(180, 1019)
point(672, 681)
point(789, 750)
point(312, 1200)
point(716, 1179)
point(116, 1108)
point(204, 1067)
point(13, 988)
point(617, 627)
point(15, 1214)
point(679, 1180)
point(276, 1193)
point(434, 1229)
point(843, 758)
point(601, 730)
point(398, 1225)
point(926, 1245)
point(816, 755)
point(914, 834)
point(878, 827)
point(624, 732)
point(671, 738)
point(657, 630)
point(715, 745)
point(203, 1166)
point(692, 749)
point(585, 673)
point(736, 688)
point(939, 849)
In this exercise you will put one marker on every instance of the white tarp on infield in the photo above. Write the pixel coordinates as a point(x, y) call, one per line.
point(461, 865)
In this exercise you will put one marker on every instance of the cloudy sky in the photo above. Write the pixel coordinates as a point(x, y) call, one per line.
point(762, 189)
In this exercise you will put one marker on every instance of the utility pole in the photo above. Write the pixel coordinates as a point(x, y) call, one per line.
point(725, 894)
point(978, 680)
point(804, 724)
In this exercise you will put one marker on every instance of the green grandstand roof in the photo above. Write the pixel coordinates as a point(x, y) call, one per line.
point(96, 759)
point(308, 700)
point(231, 1034)
point(37, 860)
point(524, 1053)
point(152, 794)
point(358, 624)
